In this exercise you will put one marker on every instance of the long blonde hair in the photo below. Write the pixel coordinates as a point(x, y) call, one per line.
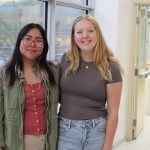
point(102, 54)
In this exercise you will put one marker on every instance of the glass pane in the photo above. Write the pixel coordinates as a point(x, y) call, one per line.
point(142, 38)
point(142, 53)
point(81, 2)
point(13, 15)
point(148, 39)
point(148, 59)
point(63, 27)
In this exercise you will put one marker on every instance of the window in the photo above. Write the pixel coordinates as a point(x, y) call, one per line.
point(56, 16)
point(65, 17)
point(14, 14)
point(143, 54)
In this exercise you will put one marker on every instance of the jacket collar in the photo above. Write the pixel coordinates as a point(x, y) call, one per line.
point(39, 72)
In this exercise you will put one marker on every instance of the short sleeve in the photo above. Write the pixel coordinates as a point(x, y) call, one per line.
point(115, 73)
point(63, 64)
point(62, 60)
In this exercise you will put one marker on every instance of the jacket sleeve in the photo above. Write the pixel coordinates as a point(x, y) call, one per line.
point(2, 141)
point(57, 78)
point(57, 75)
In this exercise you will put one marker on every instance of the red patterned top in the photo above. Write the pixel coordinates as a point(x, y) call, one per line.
point(34, 114)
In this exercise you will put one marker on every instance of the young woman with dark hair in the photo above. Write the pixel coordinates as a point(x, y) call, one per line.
point(29, 94)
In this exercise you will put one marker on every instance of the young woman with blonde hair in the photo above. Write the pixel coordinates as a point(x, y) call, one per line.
point(91, 78)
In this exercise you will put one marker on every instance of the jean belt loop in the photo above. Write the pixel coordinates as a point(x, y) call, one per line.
point(93, 122)
point(69, 125)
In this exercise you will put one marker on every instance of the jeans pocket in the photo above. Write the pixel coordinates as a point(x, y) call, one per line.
point(101, 125)
point(63, 125)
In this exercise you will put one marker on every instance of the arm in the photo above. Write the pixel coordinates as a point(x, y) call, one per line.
point(2, 144)
point(113, 102)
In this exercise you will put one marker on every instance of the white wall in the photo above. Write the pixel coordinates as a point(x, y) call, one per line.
point(106, 12)
point(114, 19)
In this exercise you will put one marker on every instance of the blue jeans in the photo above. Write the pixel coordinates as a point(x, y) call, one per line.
point(81, 135)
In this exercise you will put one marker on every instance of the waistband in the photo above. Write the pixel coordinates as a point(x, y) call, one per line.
point(82, 123)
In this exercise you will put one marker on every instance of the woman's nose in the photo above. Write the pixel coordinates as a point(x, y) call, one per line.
point(33, 43)
point(85, 34)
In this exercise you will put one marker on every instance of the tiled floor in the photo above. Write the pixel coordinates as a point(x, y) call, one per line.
point(142, 142)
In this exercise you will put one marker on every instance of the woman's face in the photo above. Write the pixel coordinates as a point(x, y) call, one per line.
point(32, 44)
point(85, 36)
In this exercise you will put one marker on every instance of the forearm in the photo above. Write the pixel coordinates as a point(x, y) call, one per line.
point(112, 122)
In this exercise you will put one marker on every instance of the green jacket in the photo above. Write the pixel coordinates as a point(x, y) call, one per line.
point(12, 102)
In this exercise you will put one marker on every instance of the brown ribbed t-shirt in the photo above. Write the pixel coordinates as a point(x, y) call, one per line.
point(83, 94)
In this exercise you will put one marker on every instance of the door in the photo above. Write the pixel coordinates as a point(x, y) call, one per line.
point(141, 70)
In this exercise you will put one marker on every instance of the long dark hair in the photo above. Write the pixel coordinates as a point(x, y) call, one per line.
point(16, 60)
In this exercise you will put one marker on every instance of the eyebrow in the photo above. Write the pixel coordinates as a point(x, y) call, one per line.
point(35, 37)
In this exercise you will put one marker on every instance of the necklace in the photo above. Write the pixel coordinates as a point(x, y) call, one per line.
point(86, 67)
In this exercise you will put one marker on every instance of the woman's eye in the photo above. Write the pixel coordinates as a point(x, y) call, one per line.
point(91, 31)
point(39, 40)
point(79, 32)
point(28, 39)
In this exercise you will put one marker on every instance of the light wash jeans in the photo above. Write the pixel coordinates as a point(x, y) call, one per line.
point(81, 135)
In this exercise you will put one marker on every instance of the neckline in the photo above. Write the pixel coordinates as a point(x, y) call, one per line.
point(32, 84)
point(87, 62)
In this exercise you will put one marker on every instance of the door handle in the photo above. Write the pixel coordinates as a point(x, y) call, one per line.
point(142, 73)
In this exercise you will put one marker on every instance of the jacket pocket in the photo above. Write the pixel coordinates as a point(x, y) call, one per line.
point(10, 131)
point(11, 114)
